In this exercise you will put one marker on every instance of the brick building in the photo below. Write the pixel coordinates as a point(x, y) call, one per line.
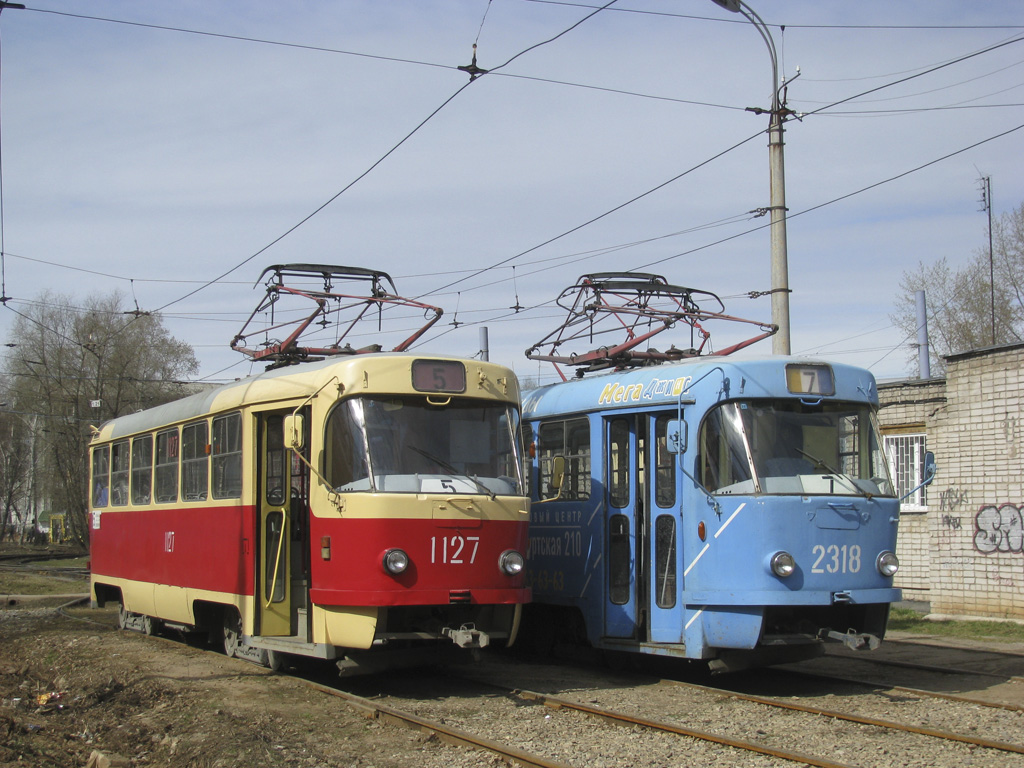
point(961, 541)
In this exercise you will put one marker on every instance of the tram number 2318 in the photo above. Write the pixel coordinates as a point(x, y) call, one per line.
point(836, 559)
point(454, 550)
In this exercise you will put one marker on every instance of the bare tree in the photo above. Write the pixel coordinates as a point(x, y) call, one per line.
point(76, 366)
point(14, 474)
point(960, 302)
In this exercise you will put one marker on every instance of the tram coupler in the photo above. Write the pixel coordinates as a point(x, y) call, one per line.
point(855, 641)
point(467, 636)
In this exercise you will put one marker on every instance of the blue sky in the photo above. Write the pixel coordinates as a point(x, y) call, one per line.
point(139, 155)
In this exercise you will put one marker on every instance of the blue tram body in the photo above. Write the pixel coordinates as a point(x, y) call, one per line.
point(734, 511)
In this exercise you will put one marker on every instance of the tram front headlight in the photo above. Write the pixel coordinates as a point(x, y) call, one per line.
point(782, 564)
point(887, 563)
point(511, 562)
point(395, 561)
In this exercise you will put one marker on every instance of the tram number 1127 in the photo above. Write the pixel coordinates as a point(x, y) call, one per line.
point(454, 550)
point(836, 559)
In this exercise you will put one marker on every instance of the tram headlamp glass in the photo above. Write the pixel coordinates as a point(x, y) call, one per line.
point(395, 561)
point(887, 563)
point(511, 562)
point(782, 564)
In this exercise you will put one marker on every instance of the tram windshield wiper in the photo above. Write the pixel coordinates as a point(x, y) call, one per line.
point(831, 470)
point(452, 470)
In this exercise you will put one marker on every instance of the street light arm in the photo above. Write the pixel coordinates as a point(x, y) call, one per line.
point(738, 6)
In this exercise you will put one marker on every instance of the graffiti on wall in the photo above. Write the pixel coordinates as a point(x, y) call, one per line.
point(999, 529)
point(952, 498)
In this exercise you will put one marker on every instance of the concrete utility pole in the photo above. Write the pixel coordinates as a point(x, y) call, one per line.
point(986, 205)
point(777, 175)
point(924, 364)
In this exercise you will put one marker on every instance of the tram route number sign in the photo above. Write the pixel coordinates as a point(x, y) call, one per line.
point(438, 376)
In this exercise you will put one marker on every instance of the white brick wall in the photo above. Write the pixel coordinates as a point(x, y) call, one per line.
point(966, 552)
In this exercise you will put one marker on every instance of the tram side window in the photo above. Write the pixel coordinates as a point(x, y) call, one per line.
point(664, 465)
point(346, 462)
point(119, 462)
point(571, 440)
point(167, 466)
point(619, 560)
point(275, 461)
point(618, 463)
point(101, 476)
point(226, 448)
point(194, 462)
point(665, 561)
point(142, 469)
point(722, 459)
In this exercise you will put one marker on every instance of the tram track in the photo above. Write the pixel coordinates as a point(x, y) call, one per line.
point(772, 733)
point(586, 716)
point(903, 689)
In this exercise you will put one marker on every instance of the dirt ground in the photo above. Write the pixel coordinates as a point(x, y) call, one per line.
point(76, 691)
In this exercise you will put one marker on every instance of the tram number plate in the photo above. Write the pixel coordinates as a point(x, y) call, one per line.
point(454, 550)
point(836, 559)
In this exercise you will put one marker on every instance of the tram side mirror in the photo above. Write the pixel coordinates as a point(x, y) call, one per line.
point(929, 467)
point(557, 472)
point(675, 436)
point(294, 431)
point(929, 475)
point(557, 477)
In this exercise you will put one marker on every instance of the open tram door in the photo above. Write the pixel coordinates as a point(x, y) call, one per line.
point(643, 529)
point(283, 508)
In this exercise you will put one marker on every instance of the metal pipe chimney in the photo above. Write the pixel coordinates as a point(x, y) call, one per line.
point(485, 352)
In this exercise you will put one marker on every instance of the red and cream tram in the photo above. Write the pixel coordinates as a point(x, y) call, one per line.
point(367, 509)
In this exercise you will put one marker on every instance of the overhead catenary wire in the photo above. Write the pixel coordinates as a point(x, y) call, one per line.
point(832, 201)
point(380, 160)
point(822, 115)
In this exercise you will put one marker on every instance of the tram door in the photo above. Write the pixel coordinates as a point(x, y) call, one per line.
point(642, 529)
point(665, 534)
point(273, 579)
point(624, 444)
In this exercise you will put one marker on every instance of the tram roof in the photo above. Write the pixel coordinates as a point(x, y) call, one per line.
point(694, 379)
point(278, 384)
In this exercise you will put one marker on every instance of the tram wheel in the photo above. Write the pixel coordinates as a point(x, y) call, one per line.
point(232, 633)
point(273, 660)
point(122, 616)
point(150, 626)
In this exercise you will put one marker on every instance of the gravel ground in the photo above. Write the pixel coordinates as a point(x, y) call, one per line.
point(77, 689)
point(578, 739)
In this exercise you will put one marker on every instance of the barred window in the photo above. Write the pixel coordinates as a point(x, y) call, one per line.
point(906, 463)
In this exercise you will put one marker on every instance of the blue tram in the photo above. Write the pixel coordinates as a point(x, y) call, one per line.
point(738, 512)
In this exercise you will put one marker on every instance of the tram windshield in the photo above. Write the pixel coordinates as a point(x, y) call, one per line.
point(790, 447)
point(408, 445)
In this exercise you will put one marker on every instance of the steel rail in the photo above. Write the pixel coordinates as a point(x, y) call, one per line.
point(373, 710)
point(889, 724)
point(929, 667)
point(914, 691)
point(621, 718)
point(923, 640)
